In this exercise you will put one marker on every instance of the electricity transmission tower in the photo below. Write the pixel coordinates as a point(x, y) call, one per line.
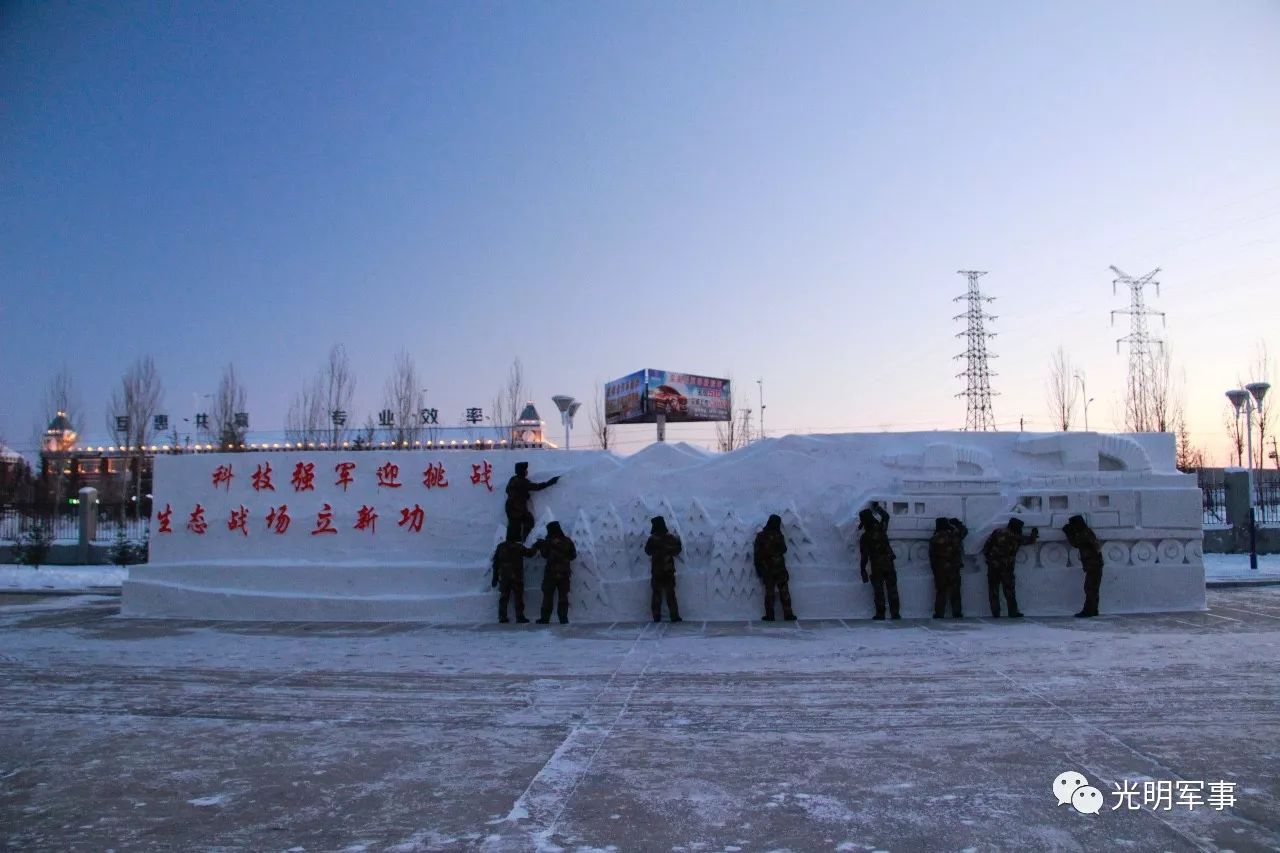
point(1139, 404)
point(978, 414)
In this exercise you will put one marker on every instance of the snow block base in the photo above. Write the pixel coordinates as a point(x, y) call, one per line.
point(240, 567)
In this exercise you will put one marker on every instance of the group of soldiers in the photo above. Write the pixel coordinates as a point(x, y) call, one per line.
point(946, 559)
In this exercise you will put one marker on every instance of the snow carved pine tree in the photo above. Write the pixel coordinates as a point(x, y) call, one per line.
point(732, 571)
point(612, 560)
point(801, 548)
point(588, 593)
point(697, 535)
point(635, 533)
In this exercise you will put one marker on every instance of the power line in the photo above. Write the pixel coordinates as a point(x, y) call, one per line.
point(978, 415)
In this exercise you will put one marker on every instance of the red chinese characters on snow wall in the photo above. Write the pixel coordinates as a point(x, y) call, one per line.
point(323, 518)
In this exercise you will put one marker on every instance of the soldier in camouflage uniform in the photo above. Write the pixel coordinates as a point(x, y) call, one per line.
point(1001, 551)
point(770, 557)
point(946, 558)
point(559, 551)
point(519, 489)
point(875, 549)
point(663, 547)
point(1080, 536)
point(508, 573)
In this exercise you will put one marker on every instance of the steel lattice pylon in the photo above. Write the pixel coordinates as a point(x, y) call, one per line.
point(1139, 405)
point(978, 414)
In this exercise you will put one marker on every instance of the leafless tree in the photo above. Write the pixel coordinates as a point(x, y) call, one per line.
point(735, 432)
point(510, 399)
point(61, 396)
point(1263, 369)
point(1235, 434)
point(314, 412)
point(1189, 457)
point(338, 386)
point(1151, 409)
point(136, 400)
point(231, 399)
point(1061, 390)
point(305, 419)
point(367, 435)
point(403, 397)
point(601, 431)
point(1163, 393)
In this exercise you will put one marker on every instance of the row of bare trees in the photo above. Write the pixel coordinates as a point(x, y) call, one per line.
point(320, 411)
point(135, 402)
point(1163, 406)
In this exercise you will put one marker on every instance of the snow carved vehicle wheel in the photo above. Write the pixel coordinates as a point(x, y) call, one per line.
point(1026, 557)
point(1053, 555)
point(920, 553)
point(1171, 552)
point(1195, 550)
point(1115, 554)
point(1143, 553)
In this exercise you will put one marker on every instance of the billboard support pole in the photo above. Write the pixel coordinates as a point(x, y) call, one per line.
point(661, 420)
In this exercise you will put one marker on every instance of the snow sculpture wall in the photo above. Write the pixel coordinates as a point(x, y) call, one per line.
point(1146, 513)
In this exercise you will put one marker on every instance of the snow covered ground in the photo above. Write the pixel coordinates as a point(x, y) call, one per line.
point(140, 734)
point(61, 578)
point(1233, 567)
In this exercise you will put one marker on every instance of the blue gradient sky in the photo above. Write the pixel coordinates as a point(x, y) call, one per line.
point(757, 189)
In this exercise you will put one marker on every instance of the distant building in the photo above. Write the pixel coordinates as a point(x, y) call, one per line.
point(69, 461)
point(15, 476)
point(68, 464)
point(528, 427)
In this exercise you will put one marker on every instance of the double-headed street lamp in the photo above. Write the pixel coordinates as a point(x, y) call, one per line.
point(568, 408)
point(1247, 401)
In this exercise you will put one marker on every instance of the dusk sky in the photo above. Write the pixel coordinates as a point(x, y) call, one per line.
point(758, 190)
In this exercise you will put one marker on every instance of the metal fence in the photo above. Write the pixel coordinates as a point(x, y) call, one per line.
point(1267, 484)
point(64, 525)
point(1213, 493)
point(16, 520)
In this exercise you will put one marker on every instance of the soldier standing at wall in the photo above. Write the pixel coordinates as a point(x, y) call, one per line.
point(1001, 551)
point(519, 488)
point(1080, 536)
point(771, 565)
point(876, 550)
point(559, 552)
point(946, 558)
point(663, 547)
point(508, 573)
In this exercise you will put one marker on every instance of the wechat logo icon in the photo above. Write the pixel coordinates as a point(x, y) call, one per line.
point(1071, 788)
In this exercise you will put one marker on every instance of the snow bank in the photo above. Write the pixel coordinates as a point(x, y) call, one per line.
point(1147, 514)
point(61, 578)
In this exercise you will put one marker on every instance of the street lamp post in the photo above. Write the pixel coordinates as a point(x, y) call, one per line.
point(1247, 401)
point(568, 408)
point(760, 382)
point(1087, 400)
